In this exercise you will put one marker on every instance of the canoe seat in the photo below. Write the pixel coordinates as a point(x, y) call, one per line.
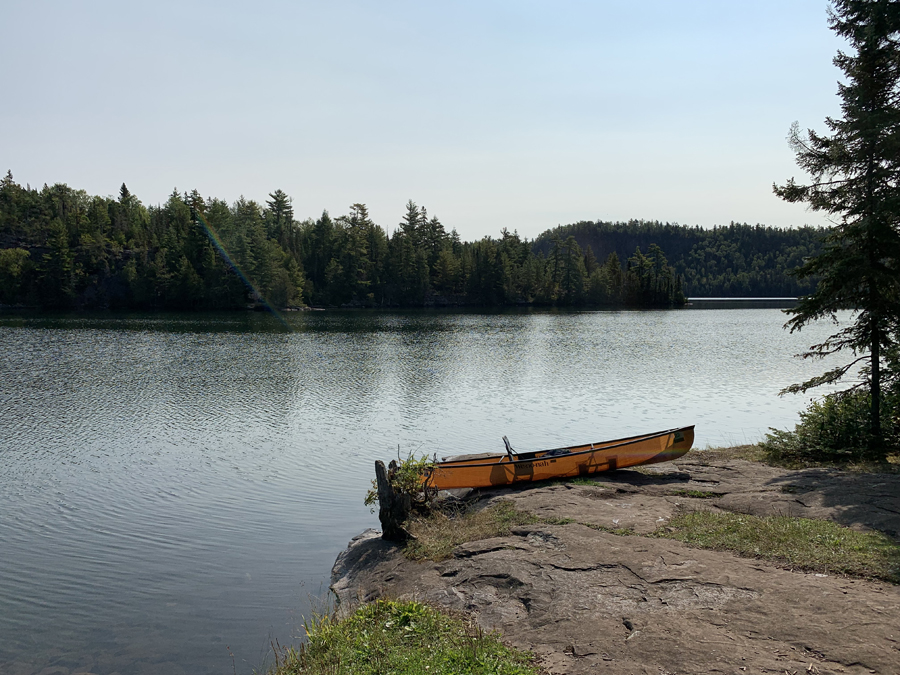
point(509, 450)
point(557, 452)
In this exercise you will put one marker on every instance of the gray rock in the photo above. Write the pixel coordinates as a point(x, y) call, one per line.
point(589, 601)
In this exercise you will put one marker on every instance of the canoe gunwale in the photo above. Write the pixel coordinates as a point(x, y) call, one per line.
point(606, 445)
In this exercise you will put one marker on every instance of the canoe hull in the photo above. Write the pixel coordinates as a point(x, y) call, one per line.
point(582, 460)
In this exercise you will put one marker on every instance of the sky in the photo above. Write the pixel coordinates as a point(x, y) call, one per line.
point(519, 114)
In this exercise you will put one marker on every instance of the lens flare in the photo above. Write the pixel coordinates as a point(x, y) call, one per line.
point(220, 247)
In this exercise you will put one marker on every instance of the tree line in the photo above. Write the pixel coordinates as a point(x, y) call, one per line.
point(736, 260)
point(63, 248)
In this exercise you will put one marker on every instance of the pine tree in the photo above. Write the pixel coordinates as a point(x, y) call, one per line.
point(280, 219)
point(56, 280)
point(355, 254)
point(572, 273)
point(855, 171)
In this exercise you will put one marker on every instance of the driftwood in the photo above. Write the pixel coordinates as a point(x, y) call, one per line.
point(393, 508)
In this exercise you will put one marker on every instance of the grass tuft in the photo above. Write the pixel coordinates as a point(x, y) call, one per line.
point(403, 638)
point(751, 453)
point(800, 543)
point(437, 534)
point(553, 520)
point(581, 480)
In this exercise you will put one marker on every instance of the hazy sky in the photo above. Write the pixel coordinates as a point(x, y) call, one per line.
point(491, 114)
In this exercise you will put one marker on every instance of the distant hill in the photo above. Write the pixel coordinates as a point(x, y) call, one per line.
point(737, 260)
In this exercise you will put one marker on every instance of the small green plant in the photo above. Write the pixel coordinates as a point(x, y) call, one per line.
point(406, 638)
point(800, 543)
point(410, 476)
point(581, 480)
point(553, 520)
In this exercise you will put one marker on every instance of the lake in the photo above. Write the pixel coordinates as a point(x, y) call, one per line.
point(175, 488)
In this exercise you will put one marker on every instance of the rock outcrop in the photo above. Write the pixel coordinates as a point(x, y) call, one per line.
point(589, 601)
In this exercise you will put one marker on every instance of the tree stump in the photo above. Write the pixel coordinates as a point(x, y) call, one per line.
point(393, 508)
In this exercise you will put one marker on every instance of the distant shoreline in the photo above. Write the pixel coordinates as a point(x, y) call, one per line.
point(691, 303)
point(741, 303)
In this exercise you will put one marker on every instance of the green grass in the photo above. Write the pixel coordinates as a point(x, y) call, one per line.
point(439, 533)
point(798, 543)
point(581, 480)
point(751, 453)
point(401, 638)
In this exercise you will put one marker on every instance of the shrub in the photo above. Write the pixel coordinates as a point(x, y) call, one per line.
point(836, 429)
point(411, 477)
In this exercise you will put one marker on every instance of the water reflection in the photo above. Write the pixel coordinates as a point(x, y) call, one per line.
point(172, 484)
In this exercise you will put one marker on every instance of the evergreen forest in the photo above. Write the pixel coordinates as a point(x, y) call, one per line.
point(61, 248)
point(733, 261)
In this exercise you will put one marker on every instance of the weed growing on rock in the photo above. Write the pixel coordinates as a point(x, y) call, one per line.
point(558, 521)
point(436, 535)
point(405, 638)
point(582, 480)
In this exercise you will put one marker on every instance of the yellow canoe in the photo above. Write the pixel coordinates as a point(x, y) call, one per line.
point(577, 460)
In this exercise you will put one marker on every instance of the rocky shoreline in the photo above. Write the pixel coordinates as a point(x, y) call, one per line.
point(587, 600)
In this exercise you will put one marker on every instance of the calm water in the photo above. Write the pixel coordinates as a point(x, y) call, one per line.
point(174, 489)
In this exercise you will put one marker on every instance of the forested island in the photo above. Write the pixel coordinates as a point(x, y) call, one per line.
point(62, 248)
